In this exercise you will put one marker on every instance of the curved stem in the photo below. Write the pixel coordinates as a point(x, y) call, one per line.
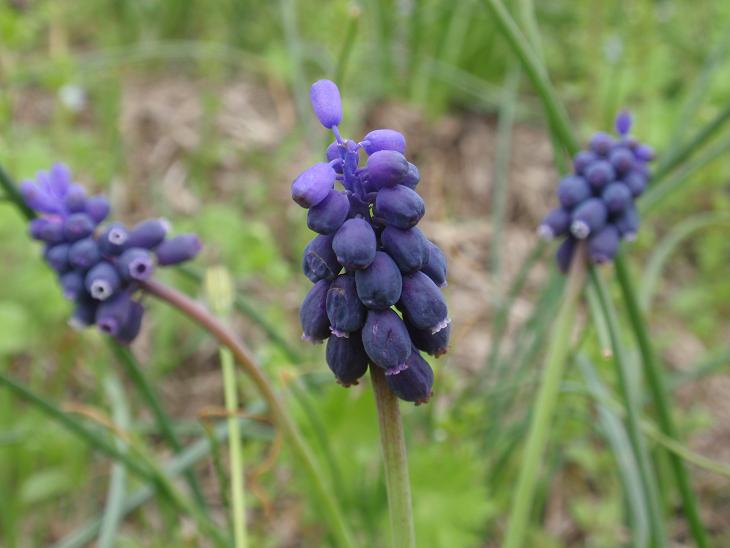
point(395, 460)
point(545, 406)
point(246, 360)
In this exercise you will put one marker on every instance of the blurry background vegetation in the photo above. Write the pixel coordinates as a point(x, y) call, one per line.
point(197, 111)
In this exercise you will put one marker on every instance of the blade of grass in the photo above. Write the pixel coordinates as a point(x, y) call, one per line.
point(655, 381)
point(343, 59)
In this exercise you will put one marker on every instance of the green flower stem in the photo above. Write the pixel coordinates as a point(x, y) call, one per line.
point(12, 194)
point(544, 409)
point(393, 443)
point(246, 360)
point(655, 380)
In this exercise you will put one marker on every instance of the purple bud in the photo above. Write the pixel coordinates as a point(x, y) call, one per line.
point(636, 183)
point(319, 261)
point(354, 244)
point(601, 143)
point(582, 160)
point(386, 339)
point(623, 123)
point(347, 359)
point(555, 223)
point(644, 153)
point(436, 265)
point(84, 313)
point(336, 152)
point(599, 174)
point(46, 230)
point(113, 240)
point(622, 159)
point(102, 281)
point(77, 226)
point(572, 190)
point(112, 314)
point(422, 303)
point(72, 284)
point(75, 200)
point(178, 249)
point(414, 381)
point(408, 248)
point(384, 139)
point(97, 207)
point(588, 217)
point(132, 325)
point(328, 215)
point(57, 257)
point(345, 312)
point(84, 254)
point(627, 223)
point(379, 285)
point(603, 245)
point(565, 252)
point(313, 313)
point(435, 344)
point(39, 200)
point(136, 264)
point(386, 168)
point(59, 179)
point(399, 206)
point(412, 176)
point(313, 184)
point(148, 234)
point(326, 102)
point(616, 196)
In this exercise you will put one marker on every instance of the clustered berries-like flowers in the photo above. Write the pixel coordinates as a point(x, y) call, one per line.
point(369, 229)
point(99, 268)
point(597, 200)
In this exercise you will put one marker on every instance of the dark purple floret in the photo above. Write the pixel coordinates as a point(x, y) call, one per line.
point(84, 254)
point(75, 200)
point(57, 257)
point(102, 281)
point(328, 215)
point(112, 314)
point(622, 159)
point(623, 123)
point(386, 339)
point(354, 244)
point(386, 168)
point(313, 185)
point(601, 143)
point(113, 240)
point(148, 234)
point(414, 381)
point(345, 312)
point(422, 303)
point(628, 223)
point(565, 252)
point(84, 313)
point(347, 359)
point(97, 207)
point(435, 344)
point(77, 226)
point(582, 160)
point(408, 248)
point(379, 285)
point(313, 313)
point(572, 190)
point(617, 197)
point(399, 206)
point(326, 103)
point(599, 174)
point(556, 223)
point(136, 263)
point(72, 284)
point(603, 246)
point(178, 249)
point(132, 325)
point(319, 261)
point(412, 176)
point(588, 217)
point(384, 139)
point(38, 199)
point(644, 153)
point(436, 265)
point(636, 182)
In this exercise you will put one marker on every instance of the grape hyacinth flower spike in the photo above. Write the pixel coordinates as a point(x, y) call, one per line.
point(597, 201)
point(363, 204)
point(99, 268)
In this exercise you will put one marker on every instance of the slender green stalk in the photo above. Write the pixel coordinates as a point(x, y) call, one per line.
point(638, 443)
point(12, 194)
point(164, 423)
point(395, 460)
point(545, 405)
point(246, 360)
point(343, 59)
point(655, 380)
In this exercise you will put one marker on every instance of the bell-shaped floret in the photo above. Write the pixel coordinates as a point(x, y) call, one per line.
point(313, 184)
point(319, 261)
point(414, 382)
point(588, 218)
point(408, 248)
point(379, 285)
point(326, 102)
point(347, 359)
point(422, 303)
point(328, 215)
point(313, 313)
point(384, 139)
point(345, 312)
point(399, 206)
point(354, 244)
point(385, 338)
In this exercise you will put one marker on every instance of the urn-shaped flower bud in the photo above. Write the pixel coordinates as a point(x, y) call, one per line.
point(379, 285)
point(399, 206)
point(57, 257)
point(113, 240)
point(148, 234)
point(313, 184)
point(178, 249)
point(386, 168)
point(313, 313)
point(555, 223)
point(385, 338)
point(84, 313)
point(132, 325)
point(319, 261)
point(77, 226)
point(636, 182)
point(601, 143)
point(422, 303)
point(72, 284)
point(622, 159)
point(136, 263)
point(326, 102)
point(627, 223)
point(408, 248)
point(599, 174)
point(617, 197)
point(603, 245)
point(97, 207)
point(565, 252)
point(75, 200)
point(113, 313)
point(102, 281)
point(644, 153)
point(355, 244)
point(347, 359)
point(623, 123)
point(384, 139)
point(84, 254)
point(582, 160)
point(435, 344)
point(345, 312)
point(328, 215)
point(412, 176)
point(414, 382)
point(572, 190)
point(588, 217)
point(435, 267)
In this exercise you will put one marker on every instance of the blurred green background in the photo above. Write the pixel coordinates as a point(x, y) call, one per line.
point(198, 111)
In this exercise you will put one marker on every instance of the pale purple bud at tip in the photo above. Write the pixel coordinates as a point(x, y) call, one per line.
point(326, 103)
point(623, 122)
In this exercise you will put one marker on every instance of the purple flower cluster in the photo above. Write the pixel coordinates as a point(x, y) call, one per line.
point(99, 268)
point(597, 200)
point(369, 229)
